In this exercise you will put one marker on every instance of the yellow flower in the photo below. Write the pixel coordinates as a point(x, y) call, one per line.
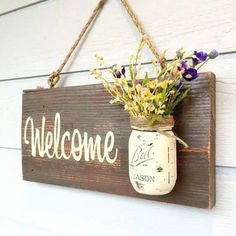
point(146, 94)
point(115, 100)
point(164, 84)
point(126, 107)
point(159, 96)
point(151, 84)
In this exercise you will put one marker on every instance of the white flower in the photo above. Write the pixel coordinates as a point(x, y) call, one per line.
point(96, 73)
point(100, 60)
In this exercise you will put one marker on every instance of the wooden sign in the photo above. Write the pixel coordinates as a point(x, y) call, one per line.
point(74, 137)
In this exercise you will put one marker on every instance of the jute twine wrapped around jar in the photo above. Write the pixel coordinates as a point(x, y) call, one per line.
point(166, 124)
point(140, 123)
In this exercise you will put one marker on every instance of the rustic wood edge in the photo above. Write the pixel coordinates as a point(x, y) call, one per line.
point(211, 143)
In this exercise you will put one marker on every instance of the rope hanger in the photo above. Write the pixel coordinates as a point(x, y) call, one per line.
point(55, 75)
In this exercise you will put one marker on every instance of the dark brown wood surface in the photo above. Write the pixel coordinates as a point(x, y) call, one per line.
point(87, 108)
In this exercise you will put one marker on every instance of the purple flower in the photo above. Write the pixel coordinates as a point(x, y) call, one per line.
point(190, 74)
point(118, 74)
point(199, 57)
point(182, 66)
point(178, 84)
point(213, 54)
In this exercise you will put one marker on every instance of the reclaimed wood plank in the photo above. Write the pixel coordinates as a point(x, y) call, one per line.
point(87, 108)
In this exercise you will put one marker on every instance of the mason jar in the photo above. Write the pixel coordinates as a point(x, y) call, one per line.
point(152, 156)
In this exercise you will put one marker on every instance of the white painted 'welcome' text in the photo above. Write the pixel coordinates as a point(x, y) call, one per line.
point(52, 144)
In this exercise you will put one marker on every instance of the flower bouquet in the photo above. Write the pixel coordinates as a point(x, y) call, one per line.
point(150, 98)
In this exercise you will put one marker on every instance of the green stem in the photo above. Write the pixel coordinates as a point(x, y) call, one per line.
point(203, 63)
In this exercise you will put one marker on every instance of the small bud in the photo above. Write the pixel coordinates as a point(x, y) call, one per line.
point(213, 54)
point(180, 53)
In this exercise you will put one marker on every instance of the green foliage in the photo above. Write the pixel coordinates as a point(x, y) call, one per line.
point(152, 98)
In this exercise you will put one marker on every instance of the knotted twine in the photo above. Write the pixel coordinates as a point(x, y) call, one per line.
point(55, 75)
point(168, 123)
point(162, 127)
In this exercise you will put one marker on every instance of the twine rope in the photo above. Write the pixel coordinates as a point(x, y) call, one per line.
point(162, 127)
point(55, 75)
point(141, 30)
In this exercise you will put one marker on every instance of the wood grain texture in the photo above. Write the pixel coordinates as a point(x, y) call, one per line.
point(87, 108)
point(41, 49)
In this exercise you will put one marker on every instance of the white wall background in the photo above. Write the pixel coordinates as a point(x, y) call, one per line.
point(33, 41)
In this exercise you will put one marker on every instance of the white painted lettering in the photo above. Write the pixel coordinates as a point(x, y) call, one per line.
point(71, 144)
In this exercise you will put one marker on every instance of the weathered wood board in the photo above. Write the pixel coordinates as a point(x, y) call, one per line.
point(87, 109)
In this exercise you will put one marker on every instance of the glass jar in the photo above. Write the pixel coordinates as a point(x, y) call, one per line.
point(152, 156)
